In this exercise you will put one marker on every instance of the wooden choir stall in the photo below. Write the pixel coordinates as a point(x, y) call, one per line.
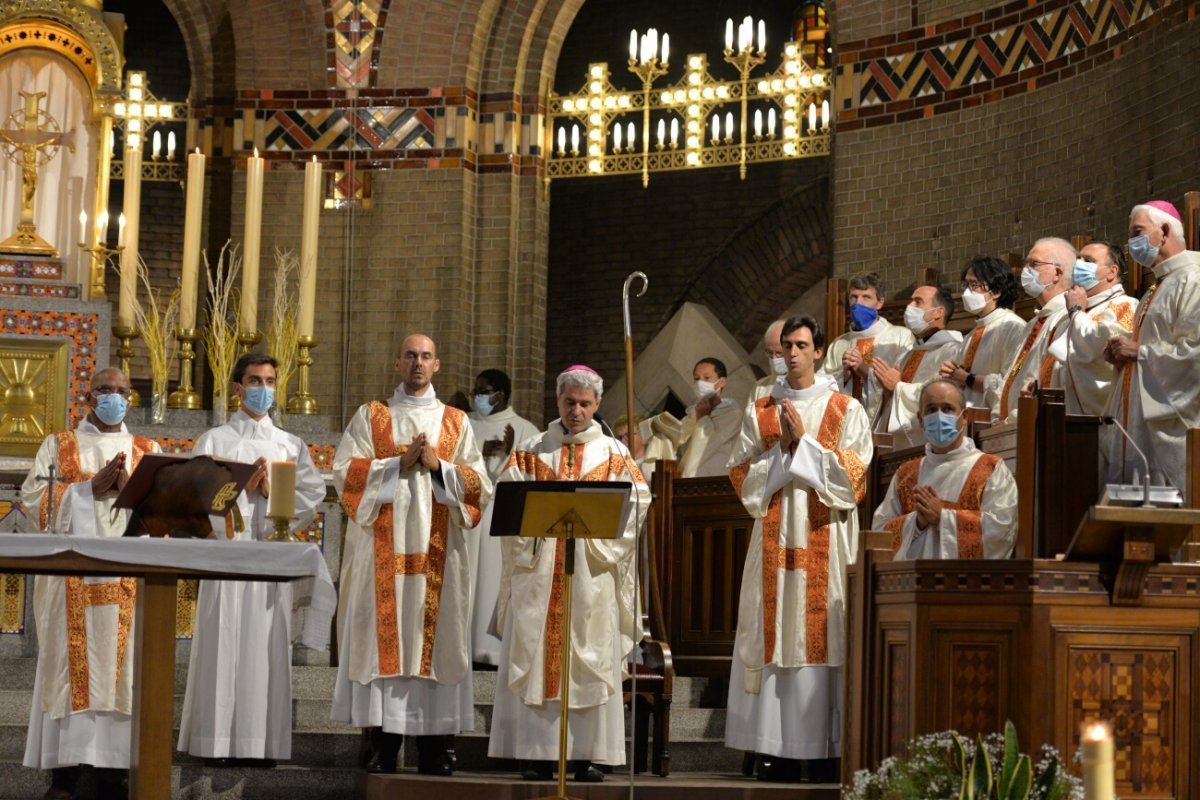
point(1089, 621)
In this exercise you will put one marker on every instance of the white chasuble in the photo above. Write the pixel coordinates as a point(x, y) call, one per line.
point(979, 506)
point(486, 557)
point(883, 340)
point(987, 350)
point(784, 696)
point(708, 441)
point(83, 688)
point(1159, 394)
point(405, 591)
point(898, 414)
point(604, 615)
point(238, 700)
point(1078, 350)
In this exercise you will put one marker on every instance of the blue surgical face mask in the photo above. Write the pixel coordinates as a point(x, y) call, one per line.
point(259, 399)
point(1031, 282)
point(1142, 251)
point(941, 429)
point(1083, 274)
point(862, 317)
point(111, 408)
point(484, 405)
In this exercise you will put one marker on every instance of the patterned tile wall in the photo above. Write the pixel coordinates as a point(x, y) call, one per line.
point(1009, 49)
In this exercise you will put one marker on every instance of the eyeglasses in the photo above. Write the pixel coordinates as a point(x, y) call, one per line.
point(103, 390)
point(975, 286)
point(1033, 263)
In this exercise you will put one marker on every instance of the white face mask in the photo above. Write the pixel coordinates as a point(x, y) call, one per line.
point(1030, 283)
point(973, 302)
point(914, 320)
point(778, 366)
point(704, 389)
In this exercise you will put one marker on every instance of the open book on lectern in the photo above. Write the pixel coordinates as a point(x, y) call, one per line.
point(532, 508)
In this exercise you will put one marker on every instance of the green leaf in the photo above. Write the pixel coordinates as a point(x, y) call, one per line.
point(981, 772)
point(1022, 781)
point(1010, 758)
point(1046, 782)
point(960, 752)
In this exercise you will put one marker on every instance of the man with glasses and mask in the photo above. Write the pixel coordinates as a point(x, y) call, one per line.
point(1099, 310)
point(850, 356)
point(497, 429)
point(776, 366)
point(237, 707)
point(1045, 276)
point(955, 501)
point(83, 689)
point(989, 292)
point(926, 316)
point(412, 483)
point(1158, 363)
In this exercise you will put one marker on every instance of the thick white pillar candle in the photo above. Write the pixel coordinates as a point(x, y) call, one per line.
point(192, 219)
point(251, 244)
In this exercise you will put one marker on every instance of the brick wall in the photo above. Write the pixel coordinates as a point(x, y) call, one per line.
point(1066, 155)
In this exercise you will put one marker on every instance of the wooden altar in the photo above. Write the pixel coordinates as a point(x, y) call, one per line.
point(1047, 640)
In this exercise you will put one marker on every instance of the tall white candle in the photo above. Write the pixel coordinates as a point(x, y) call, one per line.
point(251, 239)
point(729, 33)
point(729, 125)
point(83, 228)
point(633, 45)
point(133, 201)
point(758, 122)
point(662, 132)
point(630, 135)
point(309, 228)
point(121, 230)
point(1096, 748)
point(171, 145)
point(193, 217)
point(156, 150)
point(666, 48)
point(762, 36)
point(674, 132)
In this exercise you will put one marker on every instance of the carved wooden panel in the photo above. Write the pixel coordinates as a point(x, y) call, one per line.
point(897, 677)
point(971, 676)
point(1135, 690)
point(974, 682)
point(710, 533)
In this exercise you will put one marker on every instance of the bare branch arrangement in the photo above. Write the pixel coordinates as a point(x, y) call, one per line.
point(155, 321)
point(220, 337)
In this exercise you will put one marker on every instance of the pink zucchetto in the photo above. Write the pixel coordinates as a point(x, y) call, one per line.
point(1162, 205)
point(582, 367)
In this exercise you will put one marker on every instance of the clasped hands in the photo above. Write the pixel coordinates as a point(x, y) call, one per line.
point(112, 476)
point(791, 426)
point(420, 451)
point(928, 506)
point(854, 363)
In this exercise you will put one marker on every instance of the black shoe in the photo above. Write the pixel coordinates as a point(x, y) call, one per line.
point(432, 758)
point(62, 783)
point(538, 771)
point(587, 772)
point(254, 763)
point(820, 770)
point(385, 752)
point(112, 784)
point(779, 770)
point(218, 762)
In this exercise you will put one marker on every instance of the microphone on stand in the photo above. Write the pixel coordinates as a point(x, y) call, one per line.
point(1145, 461)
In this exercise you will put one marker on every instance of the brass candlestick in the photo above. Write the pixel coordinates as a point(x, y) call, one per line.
point(246, 340)
point(302, 402)
point(283, 530)
point(125, 335)
point(185, 396)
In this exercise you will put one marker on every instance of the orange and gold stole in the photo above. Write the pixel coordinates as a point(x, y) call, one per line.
point(81, 595)
point(1016, 367)
point(966, 510)
point(813, 559)
point(389, 563)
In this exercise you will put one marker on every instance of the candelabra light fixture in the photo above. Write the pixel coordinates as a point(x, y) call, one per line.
point(696, 122)
point(135, 115)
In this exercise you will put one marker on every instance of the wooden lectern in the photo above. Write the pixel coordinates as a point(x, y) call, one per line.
point(1088, 621)
point(567, 510)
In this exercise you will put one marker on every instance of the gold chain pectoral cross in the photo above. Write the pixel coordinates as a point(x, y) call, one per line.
point(30, 139)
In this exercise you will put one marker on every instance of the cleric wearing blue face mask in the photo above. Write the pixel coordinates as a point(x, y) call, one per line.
point(955, 501)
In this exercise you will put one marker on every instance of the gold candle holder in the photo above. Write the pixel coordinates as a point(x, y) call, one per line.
point(125, 335)
point(246, 340)
point(283, 530)
point(185, 396)
point(302, 402)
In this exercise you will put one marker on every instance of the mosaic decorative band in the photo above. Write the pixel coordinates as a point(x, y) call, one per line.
point(357, 27)
point(423, 128)
point(1010, 49)
point(80, 328)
